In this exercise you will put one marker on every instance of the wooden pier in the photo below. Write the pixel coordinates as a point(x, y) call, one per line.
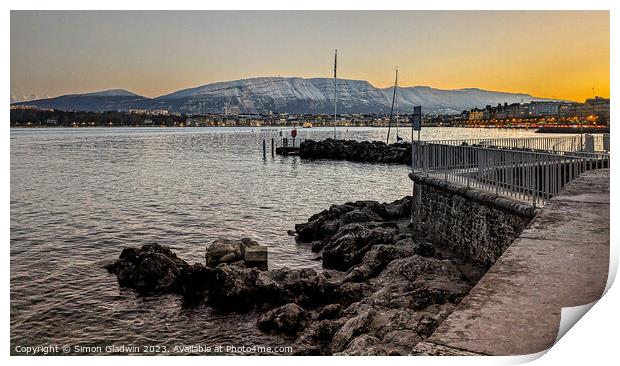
point(287, 150)
point(283, 147)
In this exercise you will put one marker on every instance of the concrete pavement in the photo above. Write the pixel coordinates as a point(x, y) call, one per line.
point(561, 259)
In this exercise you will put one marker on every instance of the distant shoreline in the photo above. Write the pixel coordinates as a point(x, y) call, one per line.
point(573, 129)
point(567, 129)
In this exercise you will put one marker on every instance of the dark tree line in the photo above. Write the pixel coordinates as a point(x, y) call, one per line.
point(51, 118)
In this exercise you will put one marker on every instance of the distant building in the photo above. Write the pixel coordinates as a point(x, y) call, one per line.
point(501, 111)
point(159, 112)
point(489, 112)
point(517, 110)
point(476, 114)
point(593, 111)
point(595, 107)
point(150, 112)
point(232, 110)
point(196, 121)
point(138, 111)
point(543, 108)
point(567, 109)
point(16, 106)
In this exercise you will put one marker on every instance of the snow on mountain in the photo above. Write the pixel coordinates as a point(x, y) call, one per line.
point(456, 100)
point(110, 93)
point(24, 98)
point(107, 100)
point(288, 94)
point(296, 95)
point(316, 95)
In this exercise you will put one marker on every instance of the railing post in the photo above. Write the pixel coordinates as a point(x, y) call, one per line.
point(589, 143)
point(606, 142)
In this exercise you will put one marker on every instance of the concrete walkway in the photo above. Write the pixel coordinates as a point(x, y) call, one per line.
point(561, 259)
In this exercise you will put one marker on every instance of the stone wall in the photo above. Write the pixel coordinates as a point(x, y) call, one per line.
point(475, 224)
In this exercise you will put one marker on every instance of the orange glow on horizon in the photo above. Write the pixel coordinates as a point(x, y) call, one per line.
point(551, 54)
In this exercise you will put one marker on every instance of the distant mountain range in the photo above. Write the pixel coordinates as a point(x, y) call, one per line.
point(286, 94)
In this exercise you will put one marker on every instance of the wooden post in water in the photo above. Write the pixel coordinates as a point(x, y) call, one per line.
point(264, 149)
point(272, 150)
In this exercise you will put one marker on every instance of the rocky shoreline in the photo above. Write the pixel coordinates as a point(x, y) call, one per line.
point(359, 151)
point(383, 290)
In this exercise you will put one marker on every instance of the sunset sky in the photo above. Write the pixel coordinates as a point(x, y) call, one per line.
point(555, 54)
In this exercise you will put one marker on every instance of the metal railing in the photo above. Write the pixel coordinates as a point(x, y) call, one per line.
point(289, 141)
point(530, 176)
point(288, 144)
point(586, 143)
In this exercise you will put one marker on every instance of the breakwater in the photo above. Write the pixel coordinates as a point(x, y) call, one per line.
point(359, 151)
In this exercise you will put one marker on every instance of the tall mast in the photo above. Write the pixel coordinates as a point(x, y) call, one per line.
point(392, 108)
point(335, 90)
point(396, 102)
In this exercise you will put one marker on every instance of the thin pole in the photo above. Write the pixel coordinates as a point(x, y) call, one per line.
point(335, 90)
point(412, 122)
point(392, 109)
point(396, 102)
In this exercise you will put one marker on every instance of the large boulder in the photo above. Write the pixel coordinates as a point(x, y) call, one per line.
point(423, 248)
point(364, 345)
point(359, 216)
point(344, 233)
point(317, 337)
point(234, 288)
point(350, 245)
point(336, 211)
point(399, 208)
point(370, 206)
point(153, 268)
point(289, 319)
point(195, 281)
point(376, 259)
point(156, 269)
point(227, 251)
point(417, 282)
point(383, 329)
point(353, 327)
point(311, 230)
point(330, 311)
point(304, 286)
point(348, 292)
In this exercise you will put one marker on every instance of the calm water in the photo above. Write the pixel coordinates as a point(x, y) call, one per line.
point(78, 196)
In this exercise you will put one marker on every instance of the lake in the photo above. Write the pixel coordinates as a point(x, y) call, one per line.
point(78, 196)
